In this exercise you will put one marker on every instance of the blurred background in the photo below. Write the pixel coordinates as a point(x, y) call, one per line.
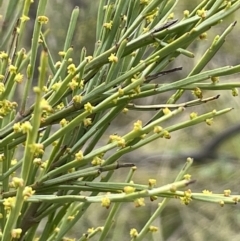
point(216, 149)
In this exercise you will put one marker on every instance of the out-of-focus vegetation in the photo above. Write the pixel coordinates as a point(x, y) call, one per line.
point(215, 169)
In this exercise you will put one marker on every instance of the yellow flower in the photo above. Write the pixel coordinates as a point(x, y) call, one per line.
point(139, 202)
point(153, 229)
point(88, 107)
point(96, 161)
point(152, 182)
point(193, 115)
point(137, 126)
point(166, 111)
point(63, 122)
point(157, 129)
point(227, 192)
point(79, 156)
point(133, 233)
point(18, 78)
point(16, 233)
point(108, 25)
point(17, 182)
point(26, 127)
point(12, 69)
point(186, 13)
point(28, 192)
point(43, 19)
point(186, 199)
point(113, 58)
point(77, 99)
point(187, 177)
point(87, 122)
point(129, 189)
point(37, 149)
point(105, 202)
point(71, 69)
point(209, 121)
point(207, 192)
point(24, 18)
point(56, 86)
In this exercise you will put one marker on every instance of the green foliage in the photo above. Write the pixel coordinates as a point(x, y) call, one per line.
point(56, 160)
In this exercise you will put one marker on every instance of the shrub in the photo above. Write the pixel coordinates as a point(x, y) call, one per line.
point(56, 160)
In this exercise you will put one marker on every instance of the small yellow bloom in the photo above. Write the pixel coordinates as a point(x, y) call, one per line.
point(13, 162)
point(37, 149)
point(45, 105)
point(203, 36)
point(3, 55)
point(166, 111)
point(171, 16)
point(43, 19)
point(77, 99)
point(12, 69)
point(108, 25)
point(71, 69)
point(125, 110)
point(209, 121)
point(17, 182)
point(187, 177)
point(62, 53)
point(140, 202)
point(16, 233)
point(105, 202)
point(157, 129)
point(24, 18)
point(120, 92)
point(129, 189)
point(60, 106)
point(28, 192)
point(221, 203)
point(89, 58)
point(88, 107)
point(9, 203)
point(193, 115)
point(152, 182)
point(201, 13)
point(215, 79)
point(234, 92)
point(57, 64)
point(227, 193)
point(70, 218)
point(73, 84)
point(26, 127)
point(186, 13)
point(197, 92)
point(64, 122)
point(133, 233)
point(79, 156)
point(113, 58)
point(87, 122)
point(137, 126)
point(56, 86)
point(186, 199)
point(97, 161)
point(17, 127)
point(153, 229)
point(166, 135)
point(18, 78)
point(207, 192)
point(90, 230)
